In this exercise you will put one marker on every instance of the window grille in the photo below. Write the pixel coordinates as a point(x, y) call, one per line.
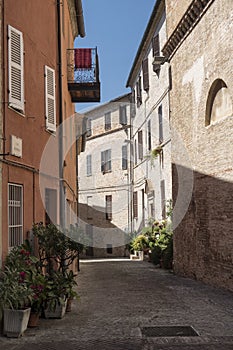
point(15, 215)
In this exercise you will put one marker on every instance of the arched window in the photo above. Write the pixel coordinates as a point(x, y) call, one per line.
point(219, 104)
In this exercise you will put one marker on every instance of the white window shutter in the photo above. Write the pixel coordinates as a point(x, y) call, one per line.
point(16, 69)
point(50, 105)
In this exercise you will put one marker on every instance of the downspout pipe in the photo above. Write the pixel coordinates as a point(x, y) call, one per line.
point(61, 186)
point(80, 18)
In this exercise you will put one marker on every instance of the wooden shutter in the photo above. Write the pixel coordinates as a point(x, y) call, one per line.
point(108, 164)
point(145, 71)
point(160, 115)
point(124, 158)
point(135, 205)
point(103, 162)
point(149, 134)
point(139, 92)
point(16, 69)
point(89, 170)
point(123, 116)
point(50, 103)
point(89, 131)
point(156, 51)
point(108, 207)
point(135, 152)
point(108, 121)
point(132, 104)
point(163, 200)
point(140, 145)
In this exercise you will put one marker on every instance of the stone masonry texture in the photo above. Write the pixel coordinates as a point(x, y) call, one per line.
point(203, 240)
point(119, 298)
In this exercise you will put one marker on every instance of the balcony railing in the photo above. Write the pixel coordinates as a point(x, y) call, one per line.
point(83, 75)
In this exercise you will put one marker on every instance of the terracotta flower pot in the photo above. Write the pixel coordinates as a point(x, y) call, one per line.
point(33, 319)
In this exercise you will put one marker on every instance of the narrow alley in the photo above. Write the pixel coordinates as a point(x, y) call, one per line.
point(121, 304)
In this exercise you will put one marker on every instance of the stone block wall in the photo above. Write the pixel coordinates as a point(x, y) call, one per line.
point(203, 241)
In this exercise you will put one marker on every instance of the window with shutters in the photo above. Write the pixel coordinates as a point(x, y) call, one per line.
point(149, 134)
point(107, 121)
point(156, 51)
point(15, 69)
point(89, 165)
point(140, 145)
point(124, 158)
point(89, 127)
point(106, 164)
point(123, 115)
point(50, 103)
point(135, 205)
point(139, 91)
point(108, 201)
point(145, 71)
point(160, 116)
point(15, 214)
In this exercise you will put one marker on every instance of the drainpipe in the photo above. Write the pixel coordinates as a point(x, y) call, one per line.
point(80, 19)
point(2, 148)
point(61, 186)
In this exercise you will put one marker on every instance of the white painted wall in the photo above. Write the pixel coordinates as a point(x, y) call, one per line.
point(93, 189)
point(146, 169)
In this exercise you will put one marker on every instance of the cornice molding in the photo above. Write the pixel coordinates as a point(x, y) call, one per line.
point(191, 17)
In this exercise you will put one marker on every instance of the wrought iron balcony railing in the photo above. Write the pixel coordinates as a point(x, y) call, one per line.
point(83, 74)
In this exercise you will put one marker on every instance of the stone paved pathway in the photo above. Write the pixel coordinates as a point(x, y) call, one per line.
point(120, 298)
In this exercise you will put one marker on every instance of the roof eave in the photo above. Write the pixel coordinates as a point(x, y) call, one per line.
point(145, 42)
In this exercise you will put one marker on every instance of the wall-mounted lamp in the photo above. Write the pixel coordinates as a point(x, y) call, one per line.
point(159, 60)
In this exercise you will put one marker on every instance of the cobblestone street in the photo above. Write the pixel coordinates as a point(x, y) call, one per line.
point(118, 299)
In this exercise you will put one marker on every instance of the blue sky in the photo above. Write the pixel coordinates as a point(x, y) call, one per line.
point(116, 28)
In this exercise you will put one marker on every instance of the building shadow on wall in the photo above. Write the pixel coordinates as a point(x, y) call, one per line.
point(103, 237)
point(203, 225)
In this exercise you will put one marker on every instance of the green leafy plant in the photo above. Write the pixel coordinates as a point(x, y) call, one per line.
point(14, 291)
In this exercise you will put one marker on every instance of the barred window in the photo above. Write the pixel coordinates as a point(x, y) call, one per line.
point(15, 215)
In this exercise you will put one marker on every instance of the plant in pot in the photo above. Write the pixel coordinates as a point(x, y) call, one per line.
point(57, 252)
point(15, 296)
point(56, 289)
point(38, 283)
point(140, 244)
point(21, 259)
point(71, 294)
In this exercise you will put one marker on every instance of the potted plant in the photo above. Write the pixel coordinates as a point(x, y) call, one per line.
point(71, 294)
point(57, 252)
point(140, 243)
point(14, 301)
point(56, 288)
point(39, 297)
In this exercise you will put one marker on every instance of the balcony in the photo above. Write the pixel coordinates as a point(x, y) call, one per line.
point(83, 75)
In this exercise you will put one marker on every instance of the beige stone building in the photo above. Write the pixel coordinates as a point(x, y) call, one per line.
point(104, 179)
point(199, 49)
point(150, 129)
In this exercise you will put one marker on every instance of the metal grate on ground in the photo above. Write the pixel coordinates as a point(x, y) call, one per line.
point(169, 331)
